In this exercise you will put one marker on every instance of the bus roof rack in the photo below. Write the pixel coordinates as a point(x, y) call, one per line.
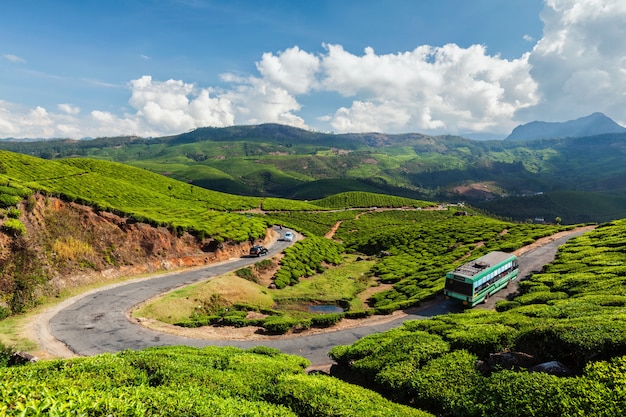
point(474, 267)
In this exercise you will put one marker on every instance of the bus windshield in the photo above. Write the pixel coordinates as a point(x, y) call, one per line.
point(459, 287)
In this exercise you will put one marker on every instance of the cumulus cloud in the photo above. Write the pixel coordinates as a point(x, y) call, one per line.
point(293, 70)
point(580, 63)
point(445, 88)
point(576, 68)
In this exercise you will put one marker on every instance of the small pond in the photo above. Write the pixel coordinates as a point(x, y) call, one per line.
point(325, 308)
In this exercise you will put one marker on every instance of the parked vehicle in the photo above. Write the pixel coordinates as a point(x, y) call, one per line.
point(258, 250)
point(288, 237)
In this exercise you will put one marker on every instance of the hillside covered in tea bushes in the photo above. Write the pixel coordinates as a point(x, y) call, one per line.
point(572, 312)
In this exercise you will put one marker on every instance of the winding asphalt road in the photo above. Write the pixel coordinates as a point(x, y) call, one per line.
point(99, 323)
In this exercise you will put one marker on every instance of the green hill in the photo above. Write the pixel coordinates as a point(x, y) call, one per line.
point(571, 312)
point(181, 381)
point(483, 363)
point(280, 161)
point(141, 194)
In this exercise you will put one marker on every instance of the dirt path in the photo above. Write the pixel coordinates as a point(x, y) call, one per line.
point(333, 230)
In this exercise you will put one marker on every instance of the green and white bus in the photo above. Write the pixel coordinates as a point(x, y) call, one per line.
point(475, 281)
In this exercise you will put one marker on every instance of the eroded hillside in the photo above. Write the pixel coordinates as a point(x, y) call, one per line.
point(68, 245)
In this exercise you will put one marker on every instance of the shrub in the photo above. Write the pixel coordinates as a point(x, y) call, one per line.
point(5, 354)
point(320, 395)
point(279, 324)
point(31, 203)
point(7, 200)
point(263, 265)
point(575, 342)
point(4, 312)
point(14, 227)
point(482, 339)
point(246, 273)
point(326, 320)
point(438, 386)
point(540, 297)
point(358, 314)
point(14, 213)
point(505, 305)
point(518, 394)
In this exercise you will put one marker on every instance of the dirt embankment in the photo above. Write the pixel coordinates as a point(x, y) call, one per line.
point(73, 245)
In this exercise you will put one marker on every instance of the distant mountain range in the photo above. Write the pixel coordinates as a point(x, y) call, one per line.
point(594, 124)
point(272, 160)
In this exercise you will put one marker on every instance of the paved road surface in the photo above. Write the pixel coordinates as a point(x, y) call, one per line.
point(98, 322)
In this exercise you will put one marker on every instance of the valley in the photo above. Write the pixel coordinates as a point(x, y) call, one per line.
point(77, 223)
point(517, 179)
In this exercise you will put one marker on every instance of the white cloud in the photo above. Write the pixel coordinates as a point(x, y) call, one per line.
point(580, 63)
point(428, 89)
point(69, 109)
point(293, 69)
point(255, 100)
point(14, 58)
point(578, 67)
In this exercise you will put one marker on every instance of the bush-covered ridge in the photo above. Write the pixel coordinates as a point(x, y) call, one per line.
point(177, 381)
point(421, 246)
point(362, 199)
point(572, 312)
point(140, 194)
point(410, 248)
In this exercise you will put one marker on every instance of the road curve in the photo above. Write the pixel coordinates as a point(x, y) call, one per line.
point(98, 322)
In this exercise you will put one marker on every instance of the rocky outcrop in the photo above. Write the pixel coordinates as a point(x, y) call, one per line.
point(519, 361)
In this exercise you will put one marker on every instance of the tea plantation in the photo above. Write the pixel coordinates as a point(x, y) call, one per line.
point(182, 381)
point(572, 312)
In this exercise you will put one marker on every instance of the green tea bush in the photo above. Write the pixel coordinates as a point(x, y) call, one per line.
point(363, 199)
point(246, 273)
point(7, 200)
point(279, 324)
point(540, 297)
point(358, 314)
point(14, 213)
point(482, 339)
point(374, 353)
point(612, 374)
point(13, 227)
point(170, 381)
point(517, 394)
point(439, 386)
point(575, 341)
point(319, 395)
point(505, 305)
point(306, 258)
point(326, 320)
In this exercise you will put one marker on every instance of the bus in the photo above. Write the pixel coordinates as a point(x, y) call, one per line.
point(475, 281)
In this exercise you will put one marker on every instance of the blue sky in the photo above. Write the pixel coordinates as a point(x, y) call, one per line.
point(156, 67)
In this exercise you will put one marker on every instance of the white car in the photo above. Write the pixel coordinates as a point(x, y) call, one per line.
point(288, 237)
